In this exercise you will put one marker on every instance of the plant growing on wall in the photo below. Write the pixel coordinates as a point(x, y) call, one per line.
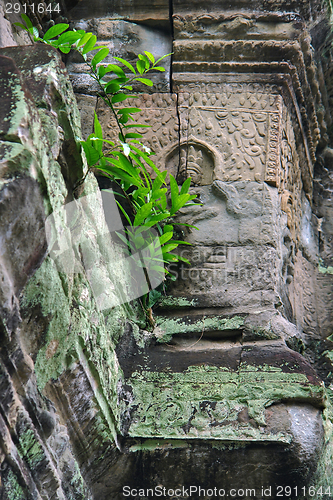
point(128, 162)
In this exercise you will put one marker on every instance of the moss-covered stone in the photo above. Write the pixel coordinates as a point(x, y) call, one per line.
point(167, 327)
point(12, 489)
point(30, 449)
point(205, 401)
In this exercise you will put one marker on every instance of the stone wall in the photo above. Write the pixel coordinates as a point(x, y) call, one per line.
point(59, 372)
point(233, 387)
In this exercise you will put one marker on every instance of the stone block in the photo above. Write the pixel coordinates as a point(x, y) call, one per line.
point(126, 40)
point(87, 106)
point(160, 113)
point(156, 13)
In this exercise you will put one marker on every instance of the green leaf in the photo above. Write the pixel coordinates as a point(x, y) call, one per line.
point(126, 215)
point(20, 25)
point(99, 56)
point(84, 39)
point(153, 220)
point(122, 237)
point(111, 87)
point(113, 68)
point(170, 257)
point(170, 246)
point(153, 297)
point(97, 127)
point(146, 158)
point(123, 119)
point(140, 194)
point(183, 259)
point(163, 57)
point(185, 186)
point(145, 60)
point(27, 21)
point(159, 68)
point(133, 135)
point(69, 37)
point(158, 193)
point(55, 31)
point(167, 228)
point(119, 173)
point(142, 214)
point(157, 268)
point(101, 71)
point(90, 44)
point(150, 56)
point(126, 63)
point(126, 165)
point(180, 201)
point(174, 189)
point(180, 242)
point(186, 225)
point(109, 142)
point(159, 180)
point(141, 66)
point(92, 155)
point(137, 160)
point(146, 81)
point(165, 237)
point(128, 110)
point(119, 98)
point(65, 48)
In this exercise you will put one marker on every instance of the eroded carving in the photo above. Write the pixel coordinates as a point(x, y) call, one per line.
point(242, 124)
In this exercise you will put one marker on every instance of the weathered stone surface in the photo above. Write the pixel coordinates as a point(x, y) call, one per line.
point(126, 40)
point(212, 397)
point(303, 8)
point(10, 35)
point(160, 112)
point(245, 126)
point(156, 13)
point(86, 105)
point(44, 312)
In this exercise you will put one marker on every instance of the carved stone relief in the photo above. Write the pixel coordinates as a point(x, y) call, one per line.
point(160, 113)
point(289, 177)
point(242, 121)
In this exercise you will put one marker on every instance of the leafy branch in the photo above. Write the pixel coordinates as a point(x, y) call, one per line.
point(127, 162)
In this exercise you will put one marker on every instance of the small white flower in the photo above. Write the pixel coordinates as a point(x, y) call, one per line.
point(126, 148)
point(148, 150)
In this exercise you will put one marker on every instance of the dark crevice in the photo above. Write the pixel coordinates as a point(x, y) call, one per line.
point(172, 36)
point(179, 131)
point(10, 138)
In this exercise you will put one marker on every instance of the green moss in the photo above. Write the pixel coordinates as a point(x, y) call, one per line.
point(204, 402)
point(19, 110)
point(30, 449)
point(325, 270)
point(167, 327)
point(17, 159)
point(259, 333)
point(324, 473)
point(157, 444)
point(13, 490)
point(176, 302)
